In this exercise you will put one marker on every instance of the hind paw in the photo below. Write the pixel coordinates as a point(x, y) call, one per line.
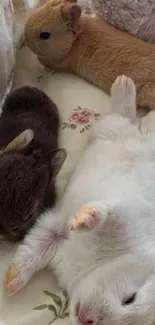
point(123, 96)
point(13, 281)
point(123, 88)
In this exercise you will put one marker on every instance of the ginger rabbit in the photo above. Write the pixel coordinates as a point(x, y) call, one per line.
point(64, 39)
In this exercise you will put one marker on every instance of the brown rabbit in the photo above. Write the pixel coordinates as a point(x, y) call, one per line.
point(29, 160)
point(65, 40)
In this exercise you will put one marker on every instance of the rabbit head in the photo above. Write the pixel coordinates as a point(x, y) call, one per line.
point(25, 178)
point(52, 29)
point(120, 293)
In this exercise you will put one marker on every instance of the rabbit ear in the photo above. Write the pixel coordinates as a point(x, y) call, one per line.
point(21, 141)
point(57, 161)
point(71, 13)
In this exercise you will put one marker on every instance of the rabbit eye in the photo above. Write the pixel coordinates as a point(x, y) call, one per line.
point(44, 35)
point(130, 300)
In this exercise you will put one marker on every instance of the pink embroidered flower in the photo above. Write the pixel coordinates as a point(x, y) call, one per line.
point(82, 116)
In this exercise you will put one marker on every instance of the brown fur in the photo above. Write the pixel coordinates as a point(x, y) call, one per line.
point(90, 48)
point(27, 169)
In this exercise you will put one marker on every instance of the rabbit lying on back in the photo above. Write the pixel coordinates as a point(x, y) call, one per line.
point(107, 262)
point(29, 159)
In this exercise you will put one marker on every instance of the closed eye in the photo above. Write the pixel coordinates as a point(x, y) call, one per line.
point(29, 216)
point(15, 229)
point(44, 35)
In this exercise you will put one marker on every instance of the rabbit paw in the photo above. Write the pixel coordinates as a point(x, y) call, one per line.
point(86, 218)
point(12, 281)
point(123, 95)
point(123, 88)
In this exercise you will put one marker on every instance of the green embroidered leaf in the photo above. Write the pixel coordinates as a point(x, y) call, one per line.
point(40, 307)
point(65, 306)
point(97, 114)
point(79, 108)
point(64, 315)
point(55, 298)
point(64, 127)
point(39, 78)
point(52, 321)
point(82, 130)
point(53, 309)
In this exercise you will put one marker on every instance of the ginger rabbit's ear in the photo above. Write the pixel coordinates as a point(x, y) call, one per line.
point(71, 13)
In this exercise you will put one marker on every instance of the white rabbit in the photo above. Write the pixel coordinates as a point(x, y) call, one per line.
point(105, 257)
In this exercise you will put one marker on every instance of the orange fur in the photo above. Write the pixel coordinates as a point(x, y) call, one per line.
point(90, 48)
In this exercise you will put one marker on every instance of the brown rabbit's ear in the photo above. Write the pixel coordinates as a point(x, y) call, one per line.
point(71, 13)
point(21, 141)
point(57, 161)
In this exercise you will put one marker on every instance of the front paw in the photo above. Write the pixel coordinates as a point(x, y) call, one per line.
point(44, 61)
point(56, 66)
point(88, 217)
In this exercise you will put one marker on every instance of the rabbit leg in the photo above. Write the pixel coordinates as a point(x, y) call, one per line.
point(147, 123)
point(146, 95)
point(36, 251)
point(123, 97)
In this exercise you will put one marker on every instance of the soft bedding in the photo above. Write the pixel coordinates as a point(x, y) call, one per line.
point(42, 302)
point(13, 14)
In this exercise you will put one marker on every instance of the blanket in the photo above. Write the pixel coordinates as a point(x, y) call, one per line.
point(13, 15)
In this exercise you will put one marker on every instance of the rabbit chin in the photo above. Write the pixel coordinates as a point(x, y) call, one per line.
point(121, 293)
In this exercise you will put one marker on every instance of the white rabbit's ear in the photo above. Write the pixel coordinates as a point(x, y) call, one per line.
point(21, 141)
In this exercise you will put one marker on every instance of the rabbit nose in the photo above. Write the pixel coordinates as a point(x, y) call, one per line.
point(85, 321)
point(82, 315)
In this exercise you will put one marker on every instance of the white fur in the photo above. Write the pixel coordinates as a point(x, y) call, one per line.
point(101, 268)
